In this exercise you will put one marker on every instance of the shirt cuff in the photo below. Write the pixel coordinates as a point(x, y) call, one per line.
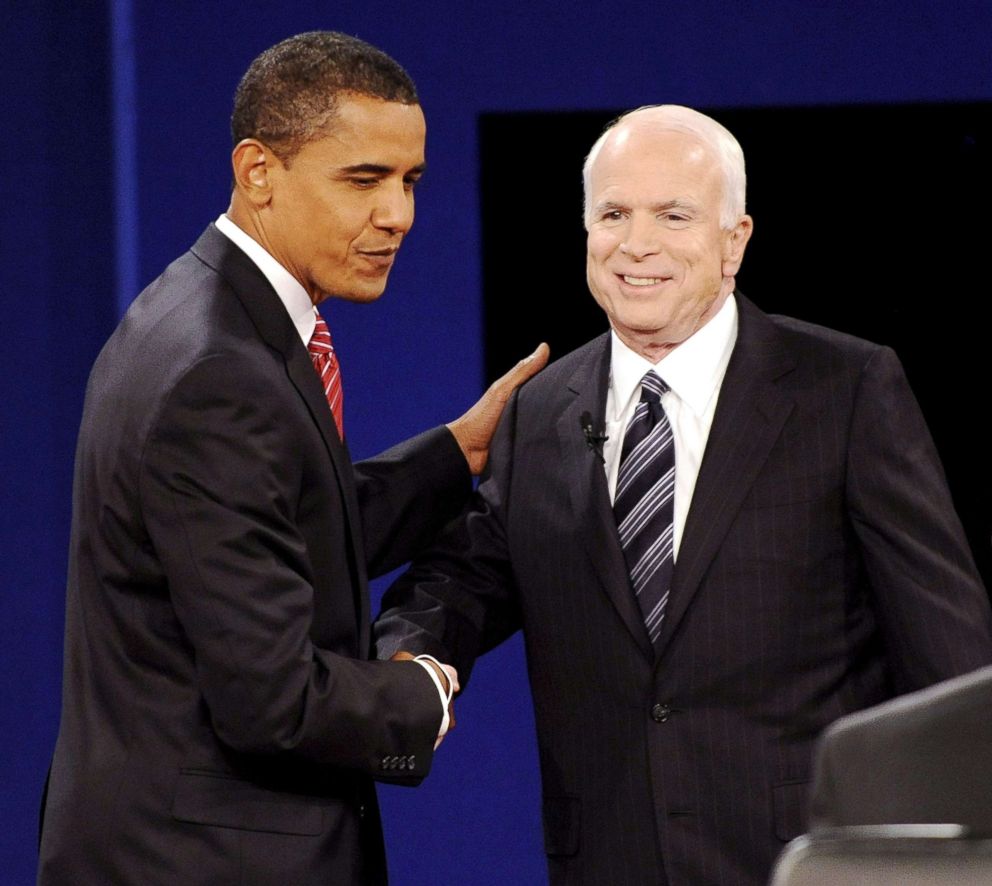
point(445, 697)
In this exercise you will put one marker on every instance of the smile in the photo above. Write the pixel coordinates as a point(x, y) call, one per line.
point(642, 281)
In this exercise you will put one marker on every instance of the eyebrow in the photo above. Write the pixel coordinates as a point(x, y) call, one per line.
point(675, 204)
point(610, 205)
point(379, 169)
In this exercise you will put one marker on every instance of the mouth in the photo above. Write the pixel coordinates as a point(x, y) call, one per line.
point(380, 259)
point(642, 282)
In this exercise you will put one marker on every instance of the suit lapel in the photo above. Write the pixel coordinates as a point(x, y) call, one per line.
point(276, 329)
point(305, 380)
point(749, 417)
point(590, 497)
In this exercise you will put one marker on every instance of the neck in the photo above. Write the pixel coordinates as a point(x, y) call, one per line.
point(246, 217)
point(653, 346)
point(248, 221)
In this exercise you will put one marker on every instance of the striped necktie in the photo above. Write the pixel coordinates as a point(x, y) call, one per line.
point(325, 363)
point(644, 505)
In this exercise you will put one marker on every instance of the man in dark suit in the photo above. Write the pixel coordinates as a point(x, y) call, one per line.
point(221, 721)
point(924, 758)
point(719, 531)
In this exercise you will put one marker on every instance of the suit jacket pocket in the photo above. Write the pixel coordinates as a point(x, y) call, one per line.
point(789, 800)
point(220, 800)
point(561, 825)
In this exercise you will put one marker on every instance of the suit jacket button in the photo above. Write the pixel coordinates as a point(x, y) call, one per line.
point(660, 713)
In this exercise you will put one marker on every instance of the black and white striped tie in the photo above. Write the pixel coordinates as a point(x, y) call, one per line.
point(644, 504)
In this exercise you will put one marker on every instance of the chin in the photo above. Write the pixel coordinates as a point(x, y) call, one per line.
point(361, 295)
point(642, 325)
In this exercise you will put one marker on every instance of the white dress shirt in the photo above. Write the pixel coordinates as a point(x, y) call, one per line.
point(303, 313)
point(694, 372)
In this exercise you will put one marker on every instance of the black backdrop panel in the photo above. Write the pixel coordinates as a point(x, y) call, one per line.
point(869, 219)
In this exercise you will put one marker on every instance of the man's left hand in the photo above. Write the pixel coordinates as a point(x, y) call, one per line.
point(475, 428)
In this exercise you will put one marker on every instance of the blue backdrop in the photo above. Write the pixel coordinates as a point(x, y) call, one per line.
point(115, 124)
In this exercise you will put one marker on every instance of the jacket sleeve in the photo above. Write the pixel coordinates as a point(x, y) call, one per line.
point(407, 494)
point(458, 598)
point(929, 600)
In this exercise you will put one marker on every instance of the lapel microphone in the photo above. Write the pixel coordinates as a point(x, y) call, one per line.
point(593, 440)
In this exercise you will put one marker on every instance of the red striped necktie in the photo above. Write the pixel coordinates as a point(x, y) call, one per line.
point(325, 363)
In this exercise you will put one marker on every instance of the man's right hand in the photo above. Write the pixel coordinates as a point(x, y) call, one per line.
point(475, 428)
point(448, 676)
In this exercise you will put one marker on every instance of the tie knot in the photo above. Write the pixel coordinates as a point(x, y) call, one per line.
point(652, 387)
point(320, 341)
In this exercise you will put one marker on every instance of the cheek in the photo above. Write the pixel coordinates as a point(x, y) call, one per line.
point(600, 245)
point(600, 279)
point(596, 264)
point(597, 280)
point(340, 222)
point(703, 260)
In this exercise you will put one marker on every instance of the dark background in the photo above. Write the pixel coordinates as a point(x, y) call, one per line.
point(870, 219)
point(115, 152)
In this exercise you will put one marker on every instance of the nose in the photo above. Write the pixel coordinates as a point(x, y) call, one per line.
point(641, 238)
point(393, 211)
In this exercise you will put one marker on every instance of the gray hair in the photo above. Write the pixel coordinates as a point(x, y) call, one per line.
point(716, 137)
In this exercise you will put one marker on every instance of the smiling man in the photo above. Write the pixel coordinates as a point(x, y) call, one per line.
point(719, 531)
point(221, 721)
point(662, 254)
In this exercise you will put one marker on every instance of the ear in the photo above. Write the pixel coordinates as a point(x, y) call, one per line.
point(252, 162)
point(734, 243)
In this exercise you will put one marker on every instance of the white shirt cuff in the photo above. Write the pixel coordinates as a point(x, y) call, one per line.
point(445, 697)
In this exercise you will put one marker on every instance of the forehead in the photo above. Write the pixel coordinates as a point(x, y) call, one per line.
point(651, 162)
point(368, 130)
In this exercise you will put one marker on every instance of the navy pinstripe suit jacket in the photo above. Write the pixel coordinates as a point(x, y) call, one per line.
point(822, 570)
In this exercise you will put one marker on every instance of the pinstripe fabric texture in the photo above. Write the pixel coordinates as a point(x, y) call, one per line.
point(325, 362)
point(645, 503)
point(821, 570)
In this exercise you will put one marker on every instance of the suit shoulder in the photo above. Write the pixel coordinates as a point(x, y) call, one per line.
point(187, 297)
point(187, 312)
point(822, 339)
point(187, 327)
point(819, 351)
point(558, 372)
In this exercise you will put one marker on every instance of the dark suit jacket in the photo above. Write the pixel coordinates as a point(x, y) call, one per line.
point(221, 722)
point(925, 758)
point(822, 569)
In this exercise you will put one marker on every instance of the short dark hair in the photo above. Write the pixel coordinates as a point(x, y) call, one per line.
point(289, 94)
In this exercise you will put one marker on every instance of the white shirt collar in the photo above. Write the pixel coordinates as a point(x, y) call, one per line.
point(694, 370)
point(293, 296)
